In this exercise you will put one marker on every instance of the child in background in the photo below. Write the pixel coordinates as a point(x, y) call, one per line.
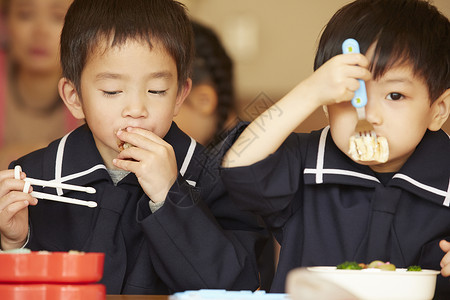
point(162, 218)
point(207, 111)
point(32, 113)
point(325, 208)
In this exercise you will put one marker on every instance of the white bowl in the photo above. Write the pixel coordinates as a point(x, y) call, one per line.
point(376, 284)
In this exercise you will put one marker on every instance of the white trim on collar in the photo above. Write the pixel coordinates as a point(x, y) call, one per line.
point(187, 160)
point(58, 166)
point(58, 163)
point(338, 172)
point(445, 194)
point(321, 155)
point(319, 171)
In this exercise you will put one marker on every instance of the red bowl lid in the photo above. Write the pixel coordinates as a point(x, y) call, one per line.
point(51, 267)
point(52, 292)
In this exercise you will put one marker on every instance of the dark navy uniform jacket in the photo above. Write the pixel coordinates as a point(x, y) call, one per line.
point(325, 209)
point(197, 239)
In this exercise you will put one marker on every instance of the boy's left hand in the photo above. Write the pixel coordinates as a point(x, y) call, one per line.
point(445, 262)
point(152, 160)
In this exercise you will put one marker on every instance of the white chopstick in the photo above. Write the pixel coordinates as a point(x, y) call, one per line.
point(65, 186)
point(45, 183)
point(63, 199)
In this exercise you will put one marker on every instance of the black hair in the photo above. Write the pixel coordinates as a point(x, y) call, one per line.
point(212, 65)
point(87, 22)
point(405, 31)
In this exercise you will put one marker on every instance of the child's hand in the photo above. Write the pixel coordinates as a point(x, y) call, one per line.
point(445, 262)
point(337, 79)
point(13, 210)
point(152, 160)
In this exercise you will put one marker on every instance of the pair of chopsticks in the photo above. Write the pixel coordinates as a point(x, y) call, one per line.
point(44, 183)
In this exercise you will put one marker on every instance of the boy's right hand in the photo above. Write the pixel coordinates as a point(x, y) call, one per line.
point(13, 210)
point(337, 80)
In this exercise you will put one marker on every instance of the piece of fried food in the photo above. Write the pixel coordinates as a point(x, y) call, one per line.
point(369, 148)
point(124, 145)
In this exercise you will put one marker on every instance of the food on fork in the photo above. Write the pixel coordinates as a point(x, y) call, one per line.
point(368, 148)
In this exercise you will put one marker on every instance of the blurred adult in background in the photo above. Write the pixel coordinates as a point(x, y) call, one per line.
point(209, 109)
point(31, 112)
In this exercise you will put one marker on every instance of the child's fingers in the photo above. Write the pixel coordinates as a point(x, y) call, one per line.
point(12, 209)
point(445, 262)
point(10, 184)
point(354, 59)
point(126, 165)
point(358, 73)
point(14, 197)
point(445, 245)
point(139, 137)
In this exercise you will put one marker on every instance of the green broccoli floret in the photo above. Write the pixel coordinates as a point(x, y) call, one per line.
point(349, 265)
point(414, 268)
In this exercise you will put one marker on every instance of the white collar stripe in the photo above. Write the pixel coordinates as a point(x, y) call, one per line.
point(188, 157)
point(321, 155)
point(339, 172)
point(447, 198)
point(190, 182)
point(428, 188)
point(58, 167)
point(58, 163)
point(81, 174)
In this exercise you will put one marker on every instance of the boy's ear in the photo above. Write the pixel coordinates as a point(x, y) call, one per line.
point(440, 111)
point(69, 95)
point(204, 99)
point(182, 95)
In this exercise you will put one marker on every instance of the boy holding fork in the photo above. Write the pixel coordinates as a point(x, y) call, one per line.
point(324, 206)
point(162, 217)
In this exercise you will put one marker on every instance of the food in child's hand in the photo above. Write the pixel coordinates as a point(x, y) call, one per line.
point(369, 148)
point(124, 145)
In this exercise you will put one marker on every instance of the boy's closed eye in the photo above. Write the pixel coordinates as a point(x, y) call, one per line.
point(158, 92)
point(111, 93)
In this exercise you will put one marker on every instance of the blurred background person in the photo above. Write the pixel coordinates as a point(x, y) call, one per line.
point(209, 110)
point(32, 114)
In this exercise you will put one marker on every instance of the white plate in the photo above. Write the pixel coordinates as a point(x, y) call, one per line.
point(375, 284)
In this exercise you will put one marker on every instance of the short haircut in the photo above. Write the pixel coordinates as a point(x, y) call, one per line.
point(89, 22)
point(405, 31)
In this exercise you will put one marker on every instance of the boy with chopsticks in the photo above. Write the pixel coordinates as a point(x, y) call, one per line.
point(162, 216)
point(324, 206)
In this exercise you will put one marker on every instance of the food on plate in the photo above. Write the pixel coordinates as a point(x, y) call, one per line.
point(349, 265)
point(369, 148)
point(376, 264)
point(414, 269)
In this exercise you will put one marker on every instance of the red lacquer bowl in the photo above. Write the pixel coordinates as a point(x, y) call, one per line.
point(51, 267)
